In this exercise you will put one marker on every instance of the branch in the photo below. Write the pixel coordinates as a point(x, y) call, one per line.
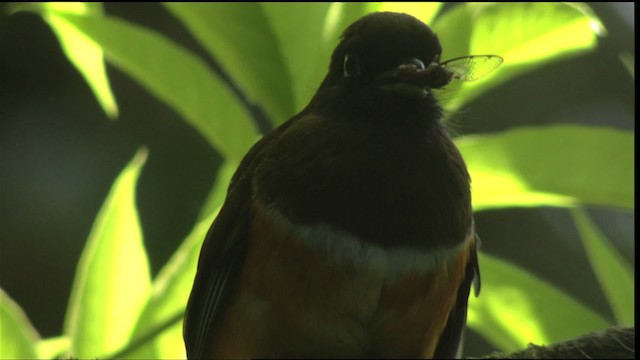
point(612, 343)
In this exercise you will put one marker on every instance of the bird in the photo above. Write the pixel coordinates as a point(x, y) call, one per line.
point(348, 230)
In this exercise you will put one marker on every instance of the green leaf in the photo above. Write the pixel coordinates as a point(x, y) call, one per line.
point(516, 308)
point(613, 272)
point(17, 336)
point(53, 348)
point(425, 11)
point(240, 37)
point(527, 35)
point(339, 16)
point(112, 281)
point(218, 192)
point(268, 49)
point(81, 50)
point(171, 291)
point(298, 29)
point(532, 32)
point(558, 165)
point(175, 76)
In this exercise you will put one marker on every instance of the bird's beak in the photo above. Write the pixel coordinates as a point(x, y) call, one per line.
point(410, 78)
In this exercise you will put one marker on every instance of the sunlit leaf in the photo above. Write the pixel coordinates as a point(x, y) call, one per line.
point(218, 191)
point(298, 29)
point(425, 11)
point(84, 53)
point(239, 36)
point(557, 165)
point(171, 290)
point(53, 348)
point(613, 272)
point(339, 16)
point(177, 77)
point(17, 336)
point(526, 34)
point(112, 281)
point(516, 308)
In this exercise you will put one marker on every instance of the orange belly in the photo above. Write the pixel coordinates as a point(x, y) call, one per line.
point(301, 296)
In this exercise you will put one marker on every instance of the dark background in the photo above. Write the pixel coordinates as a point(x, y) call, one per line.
point(60, 154)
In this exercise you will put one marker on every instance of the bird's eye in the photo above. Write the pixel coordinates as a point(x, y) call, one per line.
point(351, 66)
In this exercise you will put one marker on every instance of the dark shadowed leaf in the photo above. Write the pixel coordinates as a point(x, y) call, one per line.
point(613, 272)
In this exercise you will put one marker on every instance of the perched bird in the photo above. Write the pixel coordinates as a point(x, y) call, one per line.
point(348, 230)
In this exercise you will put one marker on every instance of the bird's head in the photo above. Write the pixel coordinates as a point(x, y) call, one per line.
point(390, 53)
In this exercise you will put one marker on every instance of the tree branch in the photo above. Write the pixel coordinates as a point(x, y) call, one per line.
point(612, 343)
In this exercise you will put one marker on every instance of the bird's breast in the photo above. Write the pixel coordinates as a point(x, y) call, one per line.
point(319, 291)
point(341, 249)
point(391, 188)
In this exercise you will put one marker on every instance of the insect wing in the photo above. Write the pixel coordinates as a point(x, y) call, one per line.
point(470, 68)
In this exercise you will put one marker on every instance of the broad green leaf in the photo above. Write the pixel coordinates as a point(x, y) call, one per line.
point(53, 348)
point(112, 281)
point(175, 76)
point(425, 11)
point(613, 272)
point(516, 308)
point(239, 36)
point(527, 35)
point(218, 192)
point(171, 291)
point(533, 32)
point(17, 336)
point(81, 50)
point(339, 16)
point(298, 29)
point(557, 165)
point(454, 29)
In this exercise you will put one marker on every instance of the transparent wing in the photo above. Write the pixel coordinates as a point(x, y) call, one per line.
point(470, 68)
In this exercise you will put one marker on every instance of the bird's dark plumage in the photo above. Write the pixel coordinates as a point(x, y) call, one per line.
point(348, 230)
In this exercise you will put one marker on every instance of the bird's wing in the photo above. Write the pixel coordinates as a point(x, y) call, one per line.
point(222, 255)
point(450, 343)
point(221, 259)
point(220, 263)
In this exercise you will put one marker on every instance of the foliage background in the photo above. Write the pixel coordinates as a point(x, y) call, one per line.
point(61, 154)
